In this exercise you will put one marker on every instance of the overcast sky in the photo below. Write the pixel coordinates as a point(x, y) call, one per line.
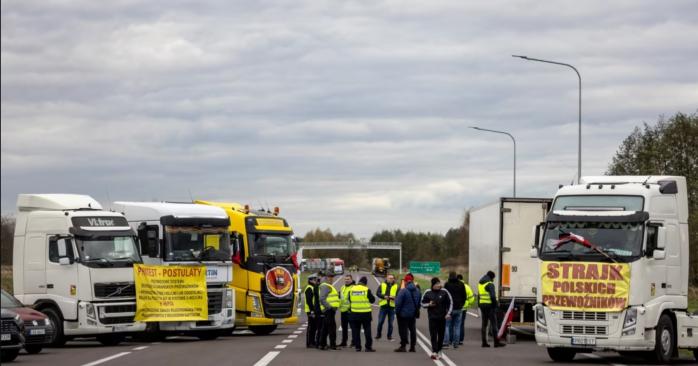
point(349, 115)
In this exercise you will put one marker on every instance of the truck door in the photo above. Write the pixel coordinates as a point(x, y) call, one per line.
point(35, 264)
point(519, 272)
point(62, 275)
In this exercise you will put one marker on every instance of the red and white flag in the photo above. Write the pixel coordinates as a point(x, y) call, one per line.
point(508, 318)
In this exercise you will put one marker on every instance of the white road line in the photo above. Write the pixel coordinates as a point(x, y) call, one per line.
point(339, 278)
point(427, 350)
point(297, 331)
point(293, 336)
point(106, 359)
point(473, 314)
point(597, 357)
point(140, 348)
point(280, 346)
point(154, 343)
point(375, 279)
point(287, 341)
point(428, 341)
point(264, 361)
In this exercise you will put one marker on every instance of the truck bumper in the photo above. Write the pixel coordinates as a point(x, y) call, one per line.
point(253, 321)
point(223, 320)
point(614, 344)
point(100, 318)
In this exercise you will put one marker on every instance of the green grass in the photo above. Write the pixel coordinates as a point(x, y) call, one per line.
point(693, 299)
point(6, 278)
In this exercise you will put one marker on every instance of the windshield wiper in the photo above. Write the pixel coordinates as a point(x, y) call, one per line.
point(101, 260)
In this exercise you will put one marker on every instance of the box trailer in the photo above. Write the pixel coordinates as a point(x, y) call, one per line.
point(501, 238)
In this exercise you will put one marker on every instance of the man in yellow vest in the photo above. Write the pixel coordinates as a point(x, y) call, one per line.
point(469, 301)
point(329, 303)
point(360, 300)
point(487, 301)
point(386, 293)
point(344, 308)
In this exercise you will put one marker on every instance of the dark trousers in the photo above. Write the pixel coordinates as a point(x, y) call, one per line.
point(328, 329)
point(345, 326)
point(489, 315)
point(359, 321)
point(405, 325)
point(462, 326)
point(311, 335)
point(437, 330)
point(390, 313)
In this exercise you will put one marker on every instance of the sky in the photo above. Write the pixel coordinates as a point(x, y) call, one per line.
point(348, 115)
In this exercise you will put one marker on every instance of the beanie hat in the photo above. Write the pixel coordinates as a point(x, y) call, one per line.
point(363, 280)
point(434, 281)
point(490, 274)
point(409, 277)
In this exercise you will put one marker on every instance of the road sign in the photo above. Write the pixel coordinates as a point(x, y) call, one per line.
point(425, 267)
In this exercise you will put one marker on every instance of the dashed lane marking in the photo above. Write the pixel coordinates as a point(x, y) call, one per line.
point(140, 348)
point(293, 336)
point(297, 331)
point(264, 361)
point(106, 359)
point(287, 341)
point(280, 346)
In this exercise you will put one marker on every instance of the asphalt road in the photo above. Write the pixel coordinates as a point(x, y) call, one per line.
point(286, 347)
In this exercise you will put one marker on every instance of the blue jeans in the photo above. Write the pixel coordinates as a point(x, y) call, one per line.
point(390, 312)
point(453, 328)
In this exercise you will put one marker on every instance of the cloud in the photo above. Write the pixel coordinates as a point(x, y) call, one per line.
point(350, 115)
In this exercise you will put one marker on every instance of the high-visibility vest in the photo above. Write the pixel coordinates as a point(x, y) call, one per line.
point(332, 297)
point(358, 297)
point(305, 302)
point(469, 296)
point(483, 294)
point(344, 303)
point(393, 293)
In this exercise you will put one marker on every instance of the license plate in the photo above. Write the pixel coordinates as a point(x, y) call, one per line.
point(118, 328)
point(37, 331)
point(278, 321)
point(6, 337)
point(583, 341)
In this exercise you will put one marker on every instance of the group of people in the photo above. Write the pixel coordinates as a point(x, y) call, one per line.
point(445, 305)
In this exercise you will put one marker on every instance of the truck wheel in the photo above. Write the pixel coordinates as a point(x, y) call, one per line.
point(110, 339)
point(33, 349)
point(263, 329)
point(561, 354)
point(664, 342)
point(695, 354)
point(58, 338)
point(8, 355)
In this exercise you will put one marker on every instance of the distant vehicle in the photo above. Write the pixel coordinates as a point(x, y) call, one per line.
point(380, 266)
point(12, 335)
point(315, 264)
point(501, 236)
point(38, 330)
point(335, 266)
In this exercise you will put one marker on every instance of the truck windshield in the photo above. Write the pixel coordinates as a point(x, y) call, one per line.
point(188, 243)
point(108, 250)
point(621, 241)
point(271, 244)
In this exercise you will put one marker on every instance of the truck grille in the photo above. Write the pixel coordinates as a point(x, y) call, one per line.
point(126, 313)
point(115, 289)
point(584, 315)
point(215, 302)
point(275, 307)
point(584, 330)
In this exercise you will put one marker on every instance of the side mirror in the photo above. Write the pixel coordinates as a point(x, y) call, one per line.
point(536, 234)
point(64, 261)
point(235, 247)
point(661, 237)
point(534, 252)
point(149, 236)
point(658, 254)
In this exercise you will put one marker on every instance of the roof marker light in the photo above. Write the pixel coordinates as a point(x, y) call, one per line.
point(276, 211)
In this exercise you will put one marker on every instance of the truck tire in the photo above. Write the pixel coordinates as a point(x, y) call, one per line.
point(263, 329)
point(558, 354)
point(8, 355)
point(695, 354)
point(33, 349)
point(664, 341)
point(110, 339)
point(58, 339)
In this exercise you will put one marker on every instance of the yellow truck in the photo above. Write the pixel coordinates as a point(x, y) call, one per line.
point(265, 268)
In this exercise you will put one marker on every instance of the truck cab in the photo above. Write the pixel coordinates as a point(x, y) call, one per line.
point(619, 247)
point(266, 267)
point(73, 261)
point(188, 234)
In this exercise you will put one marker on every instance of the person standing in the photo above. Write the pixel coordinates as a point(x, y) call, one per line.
point(439, 306)
point(487, 301)
point(407, 311)
point(469, 301)
point(387, 293)
point(360, 300)
point(457, 291)
point(309, 307)
point(344, 308)
point(329, 303)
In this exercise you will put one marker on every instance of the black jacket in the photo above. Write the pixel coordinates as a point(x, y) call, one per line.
point(444, 304)
point(490, 290)
point(457, 291)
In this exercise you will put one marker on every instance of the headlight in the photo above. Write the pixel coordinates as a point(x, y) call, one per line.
point(228, 298)
point(18, 319)
point(540, 314)
point(90, 310)
point(630, 318)
point(47, 322)
point(256, 303)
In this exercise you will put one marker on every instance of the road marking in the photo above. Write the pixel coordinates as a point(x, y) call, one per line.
point(293, 336)
point(339, 278)
point(427, 350)
point(444, 357)
point(264, 361)
point(473, 314)
point(375, 279)
point(287, 341)
point(280, 346)
point(154, 343)
point(106, 359)
point(140, 348)
point(297, 331)
point(597, 357)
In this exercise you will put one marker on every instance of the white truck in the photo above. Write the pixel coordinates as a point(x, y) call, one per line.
point(188, 234)
point(614, 269)
point(73, 261)
point(500, 240)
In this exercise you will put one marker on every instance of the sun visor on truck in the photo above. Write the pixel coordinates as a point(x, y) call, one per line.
point(638, 216)
point(100, 226)
point(195, 221)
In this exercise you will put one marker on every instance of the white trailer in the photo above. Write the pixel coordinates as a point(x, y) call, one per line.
point(73, 261)
point(501, 238)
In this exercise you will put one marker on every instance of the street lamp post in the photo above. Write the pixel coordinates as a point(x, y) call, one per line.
point(512, 139)
point(579, 147)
